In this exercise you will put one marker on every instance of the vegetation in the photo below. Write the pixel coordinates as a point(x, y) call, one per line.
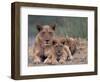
point(65, 26)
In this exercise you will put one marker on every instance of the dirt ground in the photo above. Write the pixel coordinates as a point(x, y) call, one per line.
point(80, 56)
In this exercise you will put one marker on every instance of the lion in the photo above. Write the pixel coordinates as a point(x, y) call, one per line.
point(43, 45)
point(72, 43)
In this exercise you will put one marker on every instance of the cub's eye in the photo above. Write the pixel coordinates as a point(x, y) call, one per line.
point(63, 42)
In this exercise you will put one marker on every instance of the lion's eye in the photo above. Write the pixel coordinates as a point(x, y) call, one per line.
point(43, 33)
point(50, 33)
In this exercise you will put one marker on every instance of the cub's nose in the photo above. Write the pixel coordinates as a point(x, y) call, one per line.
point(59, 51)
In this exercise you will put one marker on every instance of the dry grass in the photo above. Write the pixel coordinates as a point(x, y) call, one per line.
point(80, 56)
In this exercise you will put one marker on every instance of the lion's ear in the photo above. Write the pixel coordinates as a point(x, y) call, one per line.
point(39, 27)
point(53, 26)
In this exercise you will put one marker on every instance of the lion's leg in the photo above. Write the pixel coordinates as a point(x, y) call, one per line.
point(47, 60)
point(36, 57)
point(51, 59)
point(70, 57)
point(63, 58)
point(54, 59)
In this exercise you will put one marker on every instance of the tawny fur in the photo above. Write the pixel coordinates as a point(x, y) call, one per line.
point(61, 50)
point(72, 43)
point(43, 45)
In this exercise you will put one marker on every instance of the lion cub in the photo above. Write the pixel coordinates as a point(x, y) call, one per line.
point(61, 50)
point(72, 43)
point(58, 52)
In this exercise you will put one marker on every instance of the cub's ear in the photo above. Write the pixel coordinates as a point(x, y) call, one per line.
point(53, 26)
point(39, 27)
point(63, 42)
point(68, 40)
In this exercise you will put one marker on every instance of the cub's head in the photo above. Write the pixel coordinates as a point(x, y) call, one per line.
point(58, 44)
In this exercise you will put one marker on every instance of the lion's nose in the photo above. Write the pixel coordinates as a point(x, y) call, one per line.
point(47, 40)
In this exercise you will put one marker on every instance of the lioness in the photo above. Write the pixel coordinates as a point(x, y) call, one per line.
point(42, 44)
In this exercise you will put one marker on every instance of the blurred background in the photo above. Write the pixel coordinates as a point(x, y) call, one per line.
point(70, 26)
